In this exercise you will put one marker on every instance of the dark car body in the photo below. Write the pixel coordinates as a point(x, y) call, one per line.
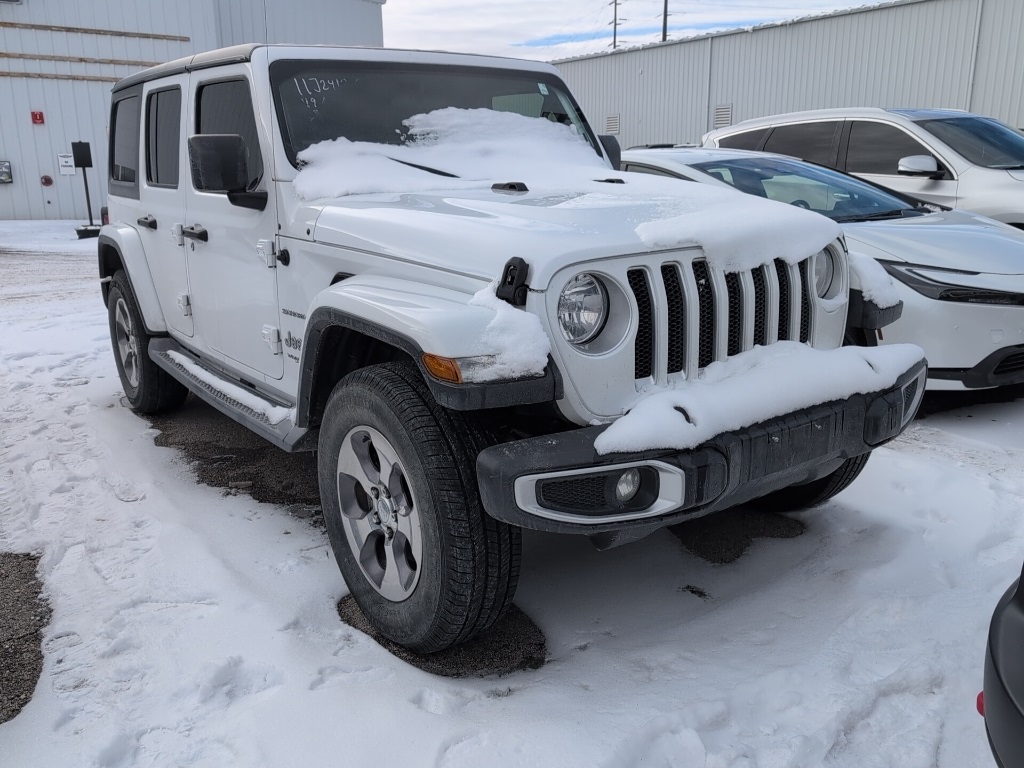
point(1004, 679)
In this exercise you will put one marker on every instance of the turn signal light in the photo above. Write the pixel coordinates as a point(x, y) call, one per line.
point(443, 368)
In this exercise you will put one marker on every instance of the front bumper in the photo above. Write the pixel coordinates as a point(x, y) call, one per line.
point(1004, 679)
point(1001, 368)
point(559, 483)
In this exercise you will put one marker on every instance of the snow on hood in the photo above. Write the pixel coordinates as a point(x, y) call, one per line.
point(751, 387)
point(481, 147)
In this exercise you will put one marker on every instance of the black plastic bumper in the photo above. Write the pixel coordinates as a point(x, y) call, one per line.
point(1004, 366)
point(1004, 679)
point(730, 469)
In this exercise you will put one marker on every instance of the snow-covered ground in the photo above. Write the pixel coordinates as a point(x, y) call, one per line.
point(196, 629)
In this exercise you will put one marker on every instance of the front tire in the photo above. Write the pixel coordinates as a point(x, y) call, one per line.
point(427, 566)
point(148, 387)
point(816, 492)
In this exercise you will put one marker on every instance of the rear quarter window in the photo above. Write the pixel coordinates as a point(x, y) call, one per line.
point(125, 113)
point(745, 140)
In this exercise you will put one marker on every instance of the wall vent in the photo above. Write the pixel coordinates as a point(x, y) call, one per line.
point(611, 124)
point(723, 115)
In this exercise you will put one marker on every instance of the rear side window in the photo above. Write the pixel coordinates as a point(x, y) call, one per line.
point(226, 107)
point(163, 131)
point(745, 140)
point(124, 146)
point(813, 142)
point(877, 148)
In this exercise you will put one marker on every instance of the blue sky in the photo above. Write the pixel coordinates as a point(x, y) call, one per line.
point(557, 29)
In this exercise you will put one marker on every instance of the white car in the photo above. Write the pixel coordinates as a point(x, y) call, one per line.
point(945, 156)
point(960, 276)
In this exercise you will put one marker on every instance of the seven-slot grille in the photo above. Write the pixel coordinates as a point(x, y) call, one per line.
point(691, 316)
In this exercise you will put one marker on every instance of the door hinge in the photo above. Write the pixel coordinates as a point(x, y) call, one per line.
point(272, 336)
point(177, 234)
point(185, 303)
point(267, 252)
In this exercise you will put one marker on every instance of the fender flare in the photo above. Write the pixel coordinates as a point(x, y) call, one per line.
point(128, 246)
point(414, 319)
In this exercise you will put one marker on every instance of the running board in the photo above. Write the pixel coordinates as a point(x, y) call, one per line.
point(243, 405)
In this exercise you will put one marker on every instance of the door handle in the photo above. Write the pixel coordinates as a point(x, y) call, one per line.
point(148, 221)
point(195, 232)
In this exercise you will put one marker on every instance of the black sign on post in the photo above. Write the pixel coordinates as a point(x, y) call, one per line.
point(82, 154)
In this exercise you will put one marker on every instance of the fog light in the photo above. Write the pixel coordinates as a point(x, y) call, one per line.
point(628, 485)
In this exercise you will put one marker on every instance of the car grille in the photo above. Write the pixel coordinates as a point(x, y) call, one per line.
point(1012, 363)
point(691, 316)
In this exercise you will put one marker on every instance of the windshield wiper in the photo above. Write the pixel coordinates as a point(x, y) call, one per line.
point(426, 168)
point(894, 214)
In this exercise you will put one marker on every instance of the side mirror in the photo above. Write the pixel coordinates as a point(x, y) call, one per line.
point(920, 165)
point(613, 150)
point(219, 164)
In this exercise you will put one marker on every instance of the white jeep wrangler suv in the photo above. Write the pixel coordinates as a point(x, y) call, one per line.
point(425, 267)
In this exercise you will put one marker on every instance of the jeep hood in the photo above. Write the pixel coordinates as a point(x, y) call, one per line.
point(475, 231)
point(432, 199)
point(949, 240)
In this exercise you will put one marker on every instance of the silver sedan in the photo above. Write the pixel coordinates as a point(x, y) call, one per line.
point(960, 276)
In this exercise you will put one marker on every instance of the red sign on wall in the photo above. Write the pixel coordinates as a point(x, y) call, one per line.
point(37, 118)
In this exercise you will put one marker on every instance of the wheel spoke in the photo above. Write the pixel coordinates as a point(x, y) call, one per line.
point(355, 503)
point(365, 453)
point(399, 489)
point(401, 565)
point(372, 558)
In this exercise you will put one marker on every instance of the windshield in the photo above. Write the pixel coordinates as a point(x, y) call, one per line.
point(981, 140)
point(840, 197)
point(369, 101)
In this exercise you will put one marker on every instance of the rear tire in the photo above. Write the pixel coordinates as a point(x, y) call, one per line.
point(816, 492)
point(427, 566)
point(148, 387)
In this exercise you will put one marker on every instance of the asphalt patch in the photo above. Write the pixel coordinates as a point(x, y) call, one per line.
point(724, 537)
point(23, 615)
point(513, 644)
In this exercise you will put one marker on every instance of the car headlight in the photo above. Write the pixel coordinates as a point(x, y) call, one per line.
point(582, 309)
point(824, 272)
point(912, 275)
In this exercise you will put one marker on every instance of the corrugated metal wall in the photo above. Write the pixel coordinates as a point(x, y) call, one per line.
point(911, 53)
point(61, 58)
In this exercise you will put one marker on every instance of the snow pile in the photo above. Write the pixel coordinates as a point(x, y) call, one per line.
point(874, 282)
point(275, 413)
point(739, 233)
point(520, 345)
point(751, 387)
point(480, 146)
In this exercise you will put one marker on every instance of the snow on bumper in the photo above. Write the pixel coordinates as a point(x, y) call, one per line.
point(713, 444)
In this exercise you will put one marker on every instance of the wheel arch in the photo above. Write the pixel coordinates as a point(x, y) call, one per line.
point(121, 248)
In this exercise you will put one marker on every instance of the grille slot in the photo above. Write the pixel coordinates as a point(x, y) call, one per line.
point(760, 307)
point(805, 303)
point(643, 362)
point(732, 284)
point(706, 304)
point(676, 304)
point(784, 299)
point(584, 493)
point(1010, 364)
point(908, 395)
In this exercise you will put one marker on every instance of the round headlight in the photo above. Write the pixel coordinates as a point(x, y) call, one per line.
point(582, 309)
point(824, 272)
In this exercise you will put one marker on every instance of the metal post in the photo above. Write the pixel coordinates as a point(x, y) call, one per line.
point(88, 202)
point(664, 23)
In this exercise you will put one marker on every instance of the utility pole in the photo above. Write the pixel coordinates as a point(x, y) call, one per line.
point(615, 22)
point(664, 23)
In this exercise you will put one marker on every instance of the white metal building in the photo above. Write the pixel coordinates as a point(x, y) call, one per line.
point(58, 60)
point(963, 54)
